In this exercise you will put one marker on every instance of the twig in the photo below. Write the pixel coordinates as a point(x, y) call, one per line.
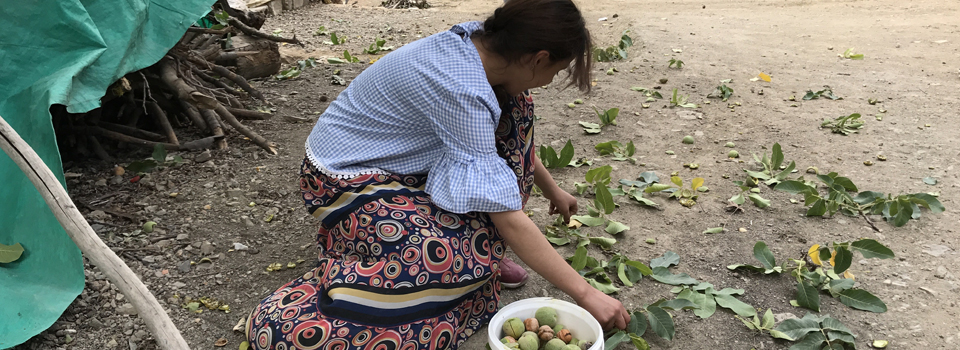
point(226, 73)
point(109, 211)
point(211, 30)
point(258, 34)
point(143, 134)
point(248, 114)
point(216, 82)
point(192, 113)
point(227, 56)
point(869, 222)
point(213, 123)
point(98, 149)
point(256, 138)
point(104, 223)
point(158, 113)
point(158, 239)
point(127, 138)
point(168, 75)
point(100, 255)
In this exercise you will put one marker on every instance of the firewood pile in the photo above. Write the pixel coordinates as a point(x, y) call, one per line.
point(190, 100)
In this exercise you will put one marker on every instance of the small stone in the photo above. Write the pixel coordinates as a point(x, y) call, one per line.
point(651, 241)
point(97, 214)
point(784, 316)
point(544, 293)
point(203, 157)
point(112, 343)
point(239, 247)
point(941, 272)
point(101, 183)
point(127, 309)
point(95, 323)
point(936, 250)
point(743, 229)
point(116, 180)
point(184, 266)
point(206, 248)
point(183, 237)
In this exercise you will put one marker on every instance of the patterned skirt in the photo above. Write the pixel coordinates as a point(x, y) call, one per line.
point(395, 271)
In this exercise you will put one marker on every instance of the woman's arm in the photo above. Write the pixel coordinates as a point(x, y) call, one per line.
point(523, 236)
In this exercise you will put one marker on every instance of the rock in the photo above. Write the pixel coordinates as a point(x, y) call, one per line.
point(234, 193)
point(183, 237)
point(689, 115)
point(112, 344)
point(179, 284)
point(784, 316)
point(248, 222)
point(116, 180)
point(206, 248)
point(101, 183)
point(203, 157)
point(239, 247)
point(127, 309)
point(164, 243)
point(941, 272)
point(936, 250)
point(149, 259)
point(184, 266)
point(95, 323)
point(98, 214)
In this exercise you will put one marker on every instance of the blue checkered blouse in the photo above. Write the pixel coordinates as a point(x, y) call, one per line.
point(425, 108)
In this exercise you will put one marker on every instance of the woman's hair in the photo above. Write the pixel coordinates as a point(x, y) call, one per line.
point(522, 27)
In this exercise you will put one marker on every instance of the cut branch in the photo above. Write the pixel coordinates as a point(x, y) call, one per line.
point(216, 82)
point(249, 115)
point(256, 138)
point(256, 33)
point(184, 91)
point(226, 73)
point(158, 113)
point(143, 134)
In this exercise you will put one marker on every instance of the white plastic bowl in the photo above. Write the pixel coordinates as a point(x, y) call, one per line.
point(580, 322)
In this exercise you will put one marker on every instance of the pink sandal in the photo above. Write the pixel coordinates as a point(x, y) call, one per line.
point(512, 275)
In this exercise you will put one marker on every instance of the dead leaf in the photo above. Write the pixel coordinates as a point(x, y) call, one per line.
point(765, 77)
point(220, 342)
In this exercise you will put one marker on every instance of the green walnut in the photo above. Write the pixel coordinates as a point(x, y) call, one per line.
point(688, 140)
point(558, 327)
point(555, 344)
point(547, 316)
point(508, 339)
point(730, 145)
point(513, 346)
point(733, 154)
point(528, 342)
point(148, 226)
point(513, 327)
point(528, 334)
point(570, 347)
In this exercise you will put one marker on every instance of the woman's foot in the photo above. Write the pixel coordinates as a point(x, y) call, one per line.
point(512, 276)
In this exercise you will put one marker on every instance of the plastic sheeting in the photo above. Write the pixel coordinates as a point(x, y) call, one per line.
point(62, 52)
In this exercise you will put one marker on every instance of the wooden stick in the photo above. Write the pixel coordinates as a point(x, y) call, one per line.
point(249, 115)
point(214, 123)
point(210, 30)
point(139, 133)
point(150, 311)
point(127, 138)
point(98, 149)
point(216, 82)
point(256, 33)
point(193, 114)
point(226, 73)
point(183, 90)
point(256, 138)
point(164, 122)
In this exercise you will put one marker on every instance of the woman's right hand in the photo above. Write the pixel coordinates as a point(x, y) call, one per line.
point(608, 311)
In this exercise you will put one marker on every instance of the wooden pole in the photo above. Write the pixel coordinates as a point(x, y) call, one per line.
point(150, 311)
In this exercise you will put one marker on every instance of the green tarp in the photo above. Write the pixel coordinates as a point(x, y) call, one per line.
point(62, 52)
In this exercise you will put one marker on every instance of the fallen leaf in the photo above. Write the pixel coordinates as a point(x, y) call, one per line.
point(10, 253)
point(765, 77)
point(220, 342)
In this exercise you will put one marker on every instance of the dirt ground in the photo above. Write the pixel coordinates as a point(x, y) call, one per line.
point(911, 66)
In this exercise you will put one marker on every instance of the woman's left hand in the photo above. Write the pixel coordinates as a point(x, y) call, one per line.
point(563, 203)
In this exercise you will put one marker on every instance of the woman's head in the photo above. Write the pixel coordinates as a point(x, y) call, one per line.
point(545, 36)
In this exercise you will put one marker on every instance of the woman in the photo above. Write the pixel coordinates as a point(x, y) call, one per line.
point(418, 172)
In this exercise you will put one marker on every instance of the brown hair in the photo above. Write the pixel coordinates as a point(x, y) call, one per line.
point(522, 27)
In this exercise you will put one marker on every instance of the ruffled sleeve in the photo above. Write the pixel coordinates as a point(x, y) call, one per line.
point(470, 175)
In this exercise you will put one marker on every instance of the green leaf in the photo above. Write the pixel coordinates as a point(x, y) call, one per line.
point(839, 285)
point(677, 304)
point(668, 259)
point(335, 39)
point(862, 300)
point(811, 341)
point(872, 249)
point(631, 149)
point(566, 155)
point(776, 158)
point(833, 324)
point(706, 304)
point(588, 221)
point(792, 186)
point(614, 341)
point(757, 174)
point(758, 201)
point(622, 274)
point(656, 188)
point(142, 166)
point(735, 305)
point(599, 175)
point(676, 181)
point(795, 328)
point(725, 291)
point(159, 154)
point(663, 275)
point(638, 324)
point(846, 183)
point(904, 214)
point(604, 242)
point(10, 253)
point(867, 197)
point(560, 241)
point(928, 201)
point(661, 322)
point(614, 227)
point(579, 259)
point(768, 320)
point(605, 287)
point(836, 337)
point(643, 268)
point(843, 260)
point(713, 230)
point(603, 199)
point(639, 342)
point(746, 267)
point(819, 208)
point(764, 255)
point(808, 296)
